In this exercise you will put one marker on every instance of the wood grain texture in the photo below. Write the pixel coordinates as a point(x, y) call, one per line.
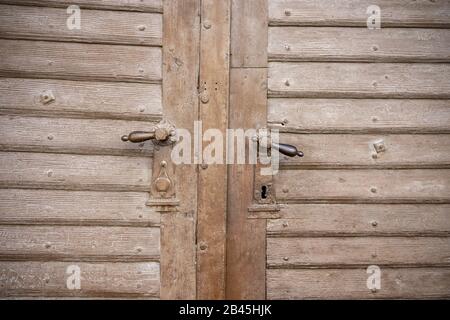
point(79, 61)
point(352, 251)
point(311, 220)
point(67, 243)
point(181, 54)
point(359, 44)
point(97, 26)
point(120, 5)
point(394, 13)
point(398, 283)
point(358, 151)
point(79, 136)
point(48, 279)
point(359, 115)
point(364, 186)
point(81, 208)
point(373, 80)
point(212, 200)
point(249, 33)
point(74, 172)
point(76, 99)
point(246, 238)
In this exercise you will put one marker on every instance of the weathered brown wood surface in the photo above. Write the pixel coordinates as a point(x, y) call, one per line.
point(359, 115)
point(81, 99)
point(97, 26)
point(373, 80)
point(62, 207)
point(359, 44)
point(342, 251)
point(212, 179)
point(76, 61)
point(396, 283)
point(305, 220)
point(73, 243)
point(120, 5)
point(36, 279)
point(181, 41)
point(74, 172)
point(394, 13)
point(324, 151)
point(369, 108)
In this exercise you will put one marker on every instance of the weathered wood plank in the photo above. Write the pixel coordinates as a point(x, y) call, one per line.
point(359, 44)
point(181, 54)
point(74, 172)
point(79, 61)
point(127, 101)
point(80, 136)
point(359, 115)
point(52, 207)
point(358, 151)
point(67, 243)
point(49, 279)
point(360, 220)
point(373, 80)
point(212, 200)
point(246, 238)
point(120, 5)
point(40, 23)
point(249, 32)
point(398, 283)
point(342, 251)
point(363, 186)
point(394, 13)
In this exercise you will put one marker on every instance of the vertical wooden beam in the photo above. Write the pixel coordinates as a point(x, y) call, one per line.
point(246, 238)
point(181, 37)
point(212, 183)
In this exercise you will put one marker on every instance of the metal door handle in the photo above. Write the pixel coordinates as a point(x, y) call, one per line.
point(164, 133)
point(287, 150)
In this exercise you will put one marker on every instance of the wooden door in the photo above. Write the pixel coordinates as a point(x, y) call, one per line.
point(369, 109)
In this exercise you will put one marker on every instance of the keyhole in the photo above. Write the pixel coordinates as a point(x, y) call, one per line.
point(264, 192)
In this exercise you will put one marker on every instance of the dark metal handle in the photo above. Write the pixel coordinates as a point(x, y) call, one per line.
point(287, 150)
point(164, 133)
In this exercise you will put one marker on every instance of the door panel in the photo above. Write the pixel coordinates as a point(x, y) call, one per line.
point(73, 195)
point(372, 188)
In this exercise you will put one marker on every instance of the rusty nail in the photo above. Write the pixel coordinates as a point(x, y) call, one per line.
point(286, 258)
point(374, 223)
point(373, 190)
point(203, 246)
point(50, 137)
point(142, 27)
point(287, 83)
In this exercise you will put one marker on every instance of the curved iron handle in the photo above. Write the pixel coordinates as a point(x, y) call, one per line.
point(287, 150)
point(163, 133)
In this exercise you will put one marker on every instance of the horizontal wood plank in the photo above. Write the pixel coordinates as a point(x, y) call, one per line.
point(97, 26)
point(80, 136)
point(363, 186)
point(359, 44)
point(305, 220)
point(394, 13)
point(341, 251)
point(74, 172)
point(70, 243)
point(83, 208)
point(120, 5)
point(359, 80)
point(398, 283)
point(79, 61)
point(49, 279)
point(358, 151)
point(359, 115)
point(124, 101)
